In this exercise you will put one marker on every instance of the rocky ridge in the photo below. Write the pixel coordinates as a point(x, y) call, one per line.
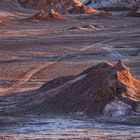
point(105, 89)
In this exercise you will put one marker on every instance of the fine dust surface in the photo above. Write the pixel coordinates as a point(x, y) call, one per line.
point(32, 53)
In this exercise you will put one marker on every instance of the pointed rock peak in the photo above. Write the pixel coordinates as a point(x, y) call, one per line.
point(42, 15)
point(119, 62)
point(120, 66)
point(135, 12)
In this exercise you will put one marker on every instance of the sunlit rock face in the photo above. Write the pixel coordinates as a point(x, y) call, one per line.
point(111, 3)
point(60, 5)
point(92, 91)
point(45, 16)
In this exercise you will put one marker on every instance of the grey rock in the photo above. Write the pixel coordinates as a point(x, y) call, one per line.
point(117, 109)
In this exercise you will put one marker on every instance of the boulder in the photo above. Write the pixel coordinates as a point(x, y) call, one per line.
point(93, 91)
point(117, 109)
point(45, 16)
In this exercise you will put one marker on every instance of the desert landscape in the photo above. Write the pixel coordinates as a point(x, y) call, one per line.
point(69, 71)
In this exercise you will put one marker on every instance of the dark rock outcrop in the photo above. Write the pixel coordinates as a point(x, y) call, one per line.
point(135, 12)
point(104, 89)
point(45, 16)
point(56, 82)
point(65, 6)
point(89, 92)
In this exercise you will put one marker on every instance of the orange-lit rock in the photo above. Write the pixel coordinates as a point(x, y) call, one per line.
point(45, 16)
point(70, 6)
point(90, 92)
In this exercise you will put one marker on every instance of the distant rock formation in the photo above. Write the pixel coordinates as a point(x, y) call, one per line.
point(111, 4)
point(45, 16)
point(135, 12)
point(88, 10)
point(64, 6)
point(59, 5)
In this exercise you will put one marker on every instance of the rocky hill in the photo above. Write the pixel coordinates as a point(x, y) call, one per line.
point(10, 5)
point(91, 92)
point(135, 12)
point(63, 6)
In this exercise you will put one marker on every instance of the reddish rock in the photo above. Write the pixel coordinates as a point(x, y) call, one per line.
point(45, 16)
point(88, 10)
point(59, 5)
point(64, 6)
point(89, 92)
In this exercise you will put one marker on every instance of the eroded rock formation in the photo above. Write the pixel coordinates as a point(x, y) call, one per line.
point(135, 12)
point(64, 6)
point(91, 91)
point(45, 16)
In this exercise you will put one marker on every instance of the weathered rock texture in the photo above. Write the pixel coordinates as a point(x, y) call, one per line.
point(89, 92)
point(111, 4)
point(117, 108)
point(10, 5)
point(45, 16)
point(70, 6)
point(135, 12)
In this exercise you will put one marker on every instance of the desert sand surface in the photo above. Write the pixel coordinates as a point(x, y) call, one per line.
point(41, 51)
point(32, 53)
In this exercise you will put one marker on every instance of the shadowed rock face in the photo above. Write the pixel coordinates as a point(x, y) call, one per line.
point(56, 4)
point(136, 12)
point(90, 92)
point(88, 10)
point(45, 16)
